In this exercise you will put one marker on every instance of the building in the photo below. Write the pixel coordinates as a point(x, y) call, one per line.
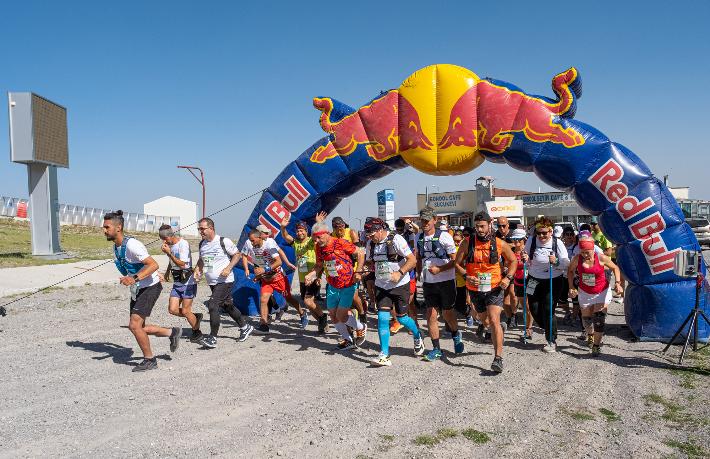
point(170, 205)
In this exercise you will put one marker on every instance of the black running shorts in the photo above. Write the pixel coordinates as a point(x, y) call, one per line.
point(440, 294)
point(397, 297)
point(145, 300)
point(481, 300)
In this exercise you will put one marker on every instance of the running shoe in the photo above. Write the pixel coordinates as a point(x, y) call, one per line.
point(596, 351)
point(198, 316)
point(323, 323)
point(382, 360)
point(590, 341)
point(245, 332)
point(262, 328)
point(549, 348)
point(344, 345)
point(280, 312)
point(396, 327)
point(458, 343)
point(196, 336)
point(418, 346)
point(175, 338)
point(304, 319)
point(209, 342)
point(469, 322)
point(146, 364)
point(497, 364)
point(360, 336)
point(434, 354)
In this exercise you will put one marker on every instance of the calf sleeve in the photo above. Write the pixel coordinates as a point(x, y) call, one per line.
point(383, 330)
point(410, 325)
point(599, 321)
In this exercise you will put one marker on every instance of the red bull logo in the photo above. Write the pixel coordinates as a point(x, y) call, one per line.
point(387, 126)
point(487, 116)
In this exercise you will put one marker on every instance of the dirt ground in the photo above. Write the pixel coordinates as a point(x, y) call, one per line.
point(68, 390)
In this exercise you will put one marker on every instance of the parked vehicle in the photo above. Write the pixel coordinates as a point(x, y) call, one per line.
point(701, 228)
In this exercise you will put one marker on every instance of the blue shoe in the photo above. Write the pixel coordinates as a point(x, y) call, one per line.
point(304, 319)
point(469, 322)
point(434, 354)
point(458, 343)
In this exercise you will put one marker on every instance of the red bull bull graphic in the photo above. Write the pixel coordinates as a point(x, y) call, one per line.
point(446, 120)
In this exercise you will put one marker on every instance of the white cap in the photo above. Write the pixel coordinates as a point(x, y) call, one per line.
point(263, 229)
point(558, 231)
point(518, 234)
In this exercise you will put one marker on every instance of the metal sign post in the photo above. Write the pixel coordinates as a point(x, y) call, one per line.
point(38, 138)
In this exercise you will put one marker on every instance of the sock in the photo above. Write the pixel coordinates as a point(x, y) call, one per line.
point(409, 323)
point(352, 322)
point(343, 329)
point(383, 330)
point(435, 343)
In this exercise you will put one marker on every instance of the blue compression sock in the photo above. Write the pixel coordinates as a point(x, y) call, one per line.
point(410, 325)
point(383, 330)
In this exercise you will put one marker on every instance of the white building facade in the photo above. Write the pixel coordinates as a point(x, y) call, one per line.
point(170, 205)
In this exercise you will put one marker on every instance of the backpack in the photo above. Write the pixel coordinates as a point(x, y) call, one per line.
point(436, 248)
point(392, 254)
point(123, 266)
point(493, 256)
point(221, 243)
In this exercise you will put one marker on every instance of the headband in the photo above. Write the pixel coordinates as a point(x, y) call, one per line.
point(320, 233)
point(586, 244)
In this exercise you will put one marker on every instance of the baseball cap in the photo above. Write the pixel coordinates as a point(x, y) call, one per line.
point(338, 221)
point(427, 213)
point(518, 234)
point(558, 231)
point(374, 225)
point(263, 229)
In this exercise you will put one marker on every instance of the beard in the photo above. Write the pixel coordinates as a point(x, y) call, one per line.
point(110, 238)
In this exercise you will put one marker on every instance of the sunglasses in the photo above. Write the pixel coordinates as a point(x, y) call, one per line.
point(542, 233)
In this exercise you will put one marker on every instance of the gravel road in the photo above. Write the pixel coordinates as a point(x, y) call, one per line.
point(68, 390)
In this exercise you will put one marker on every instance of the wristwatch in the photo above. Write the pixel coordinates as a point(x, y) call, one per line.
point(135, 277)
point(400, 271)
point(510, 277)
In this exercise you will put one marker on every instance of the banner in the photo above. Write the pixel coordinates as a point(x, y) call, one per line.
point(512, 208)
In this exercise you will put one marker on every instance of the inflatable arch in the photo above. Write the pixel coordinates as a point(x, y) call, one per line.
point(445, 120)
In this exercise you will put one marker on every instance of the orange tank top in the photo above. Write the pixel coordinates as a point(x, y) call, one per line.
point(489, 274)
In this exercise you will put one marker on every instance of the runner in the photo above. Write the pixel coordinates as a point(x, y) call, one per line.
point(435, 265)
point(184, 286)
point(334, 256)
point(218, 256)
point(463, 300)
point(518, 238)
point(305, 251)
point(479, 257)
point(342, 230)
point(138, 271)
point(594, 293)
point(408, 230)
point(266, 234)
point(548, 257)
point(263, 253)
point(393, 259)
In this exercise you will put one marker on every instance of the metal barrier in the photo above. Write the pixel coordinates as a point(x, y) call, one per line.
point(70, 214)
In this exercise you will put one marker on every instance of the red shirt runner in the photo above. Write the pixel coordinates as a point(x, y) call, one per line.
point(337, 262)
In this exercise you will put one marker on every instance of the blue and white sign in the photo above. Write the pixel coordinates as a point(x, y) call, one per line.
point(385, 206)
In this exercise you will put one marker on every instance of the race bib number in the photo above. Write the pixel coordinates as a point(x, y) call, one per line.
point(382, 270)
point(260, 260)
point(589, 279)
point(532, 284)
point(484, 282)
point(331, 268)
point(303, 265)
point(209, 263)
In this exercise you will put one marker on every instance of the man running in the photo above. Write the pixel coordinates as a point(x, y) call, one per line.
point(334, 256)
point(305, 250)
point(218, 256)
point(139, 274)
point(392, 258)
point(480, 258)
point(184, 288)
point(435, 265)
point(408, 230)
point(263, 253)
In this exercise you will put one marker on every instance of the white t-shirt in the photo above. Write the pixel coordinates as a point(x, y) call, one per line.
point(215, 260)
point(429, 259)
point(261, 256)
point(540, 260)
point(181, 251)
point(384, 268)
point(136, 253)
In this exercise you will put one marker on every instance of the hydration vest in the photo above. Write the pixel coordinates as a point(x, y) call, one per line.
point(392, 254)
point(493, 255)
point(437, 250)
point(123, 266)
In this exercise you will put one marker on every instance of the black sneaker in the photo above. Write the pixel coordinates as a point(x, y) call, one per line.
point(262, 328)
point(323, 323)
point(344, 345)
point(196, 336)
point(175, 338)
point(146, 364)
point(497, 364)
point(209, 341)
point(245, 332)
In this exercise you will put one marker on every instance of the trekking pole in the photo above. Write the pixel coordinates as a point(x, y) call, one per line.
point(525, 302)
point(551, 310)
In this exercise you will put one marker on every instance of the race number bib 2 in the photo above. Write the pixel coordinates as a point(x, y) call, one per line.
point(532, 284)
point(484, 282)
point(303, 265)
point(209, 263)
point(382, 270)
point(331, 268)
point(589, 279)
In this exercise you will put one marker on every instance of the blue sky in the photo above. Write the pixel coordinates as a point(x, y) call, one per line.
point(228, 86)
